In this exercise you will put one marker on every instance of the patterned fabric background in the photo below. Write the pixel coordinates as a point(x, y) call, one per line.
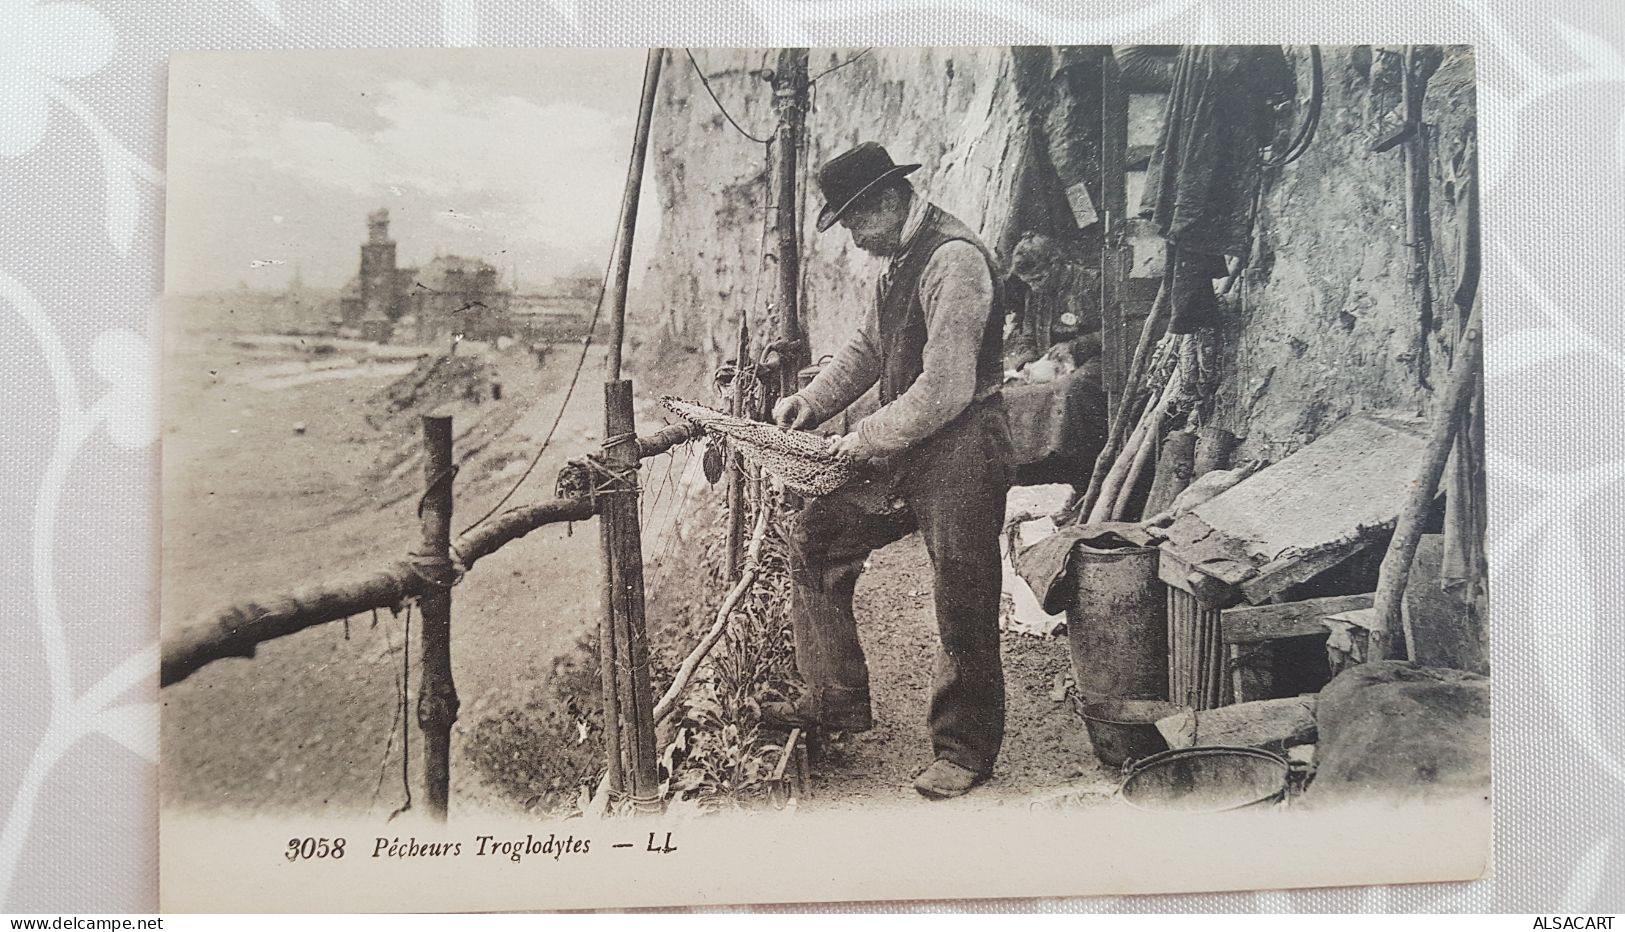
point(82, 90)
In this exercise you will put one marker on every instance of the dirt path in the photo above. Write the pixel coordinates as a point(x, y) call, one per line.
point(1046, 752)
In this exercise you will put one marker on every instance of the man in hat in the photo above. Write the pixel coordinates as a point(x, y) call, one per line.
point(940, 447)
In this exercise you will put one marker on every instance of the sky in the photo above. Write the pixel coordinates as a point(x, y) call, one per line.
point(514, 156)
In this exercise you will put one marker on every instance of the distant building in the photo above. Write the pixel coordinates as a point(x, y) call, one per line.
point(449, 295)
point(559, 313)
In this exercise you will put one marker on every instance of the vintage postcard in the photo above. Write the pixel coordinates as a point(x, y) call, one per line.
point(622, 477)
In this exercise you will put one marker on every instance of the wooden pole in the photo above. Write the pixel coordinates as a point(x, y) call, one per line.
point(1174, 471)
point(616, 295)
point(1117, 429)
point(1114, 257)
point(736, 471)
point(437, 694)
point(623, 539)
point(1418, 229)
point(623, 646)
point(790, 105)
point(609, 671)
point(1447, 417)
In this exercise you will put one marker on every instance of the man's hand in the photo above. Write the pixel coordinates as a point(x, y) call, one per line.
point(851, 447)
point(794, 412)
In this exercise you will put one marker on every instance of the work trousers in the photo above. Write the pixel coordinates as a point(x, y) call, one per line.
point(951, 487)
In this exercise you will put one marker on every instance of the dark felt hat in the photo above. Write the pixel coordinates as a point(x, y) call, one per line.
point(852, 174)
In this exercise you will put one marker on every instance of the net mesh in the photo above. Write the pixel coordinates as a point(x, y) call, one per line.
point(798, 458)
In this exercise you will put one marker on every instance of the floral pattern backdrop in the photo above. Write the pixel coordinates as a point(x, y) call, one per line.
point(82, 90)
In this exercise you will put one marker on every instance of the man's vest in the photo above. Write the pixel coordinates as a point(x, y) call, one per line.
point(902, 318)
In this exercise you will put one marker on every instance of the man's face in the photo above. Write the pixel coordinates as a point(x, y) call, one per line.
point(875, 223)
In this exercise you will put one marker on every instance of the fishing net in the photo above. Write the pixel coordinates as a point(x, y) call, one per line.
point(800, 459)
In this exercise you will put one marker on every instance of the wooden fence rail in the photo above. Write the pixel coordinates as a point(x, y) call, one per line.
point(234, 630)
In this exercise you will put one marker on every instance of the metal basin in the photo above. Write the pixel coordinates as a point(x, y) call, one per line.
point(1207, 779)
point(1124, 730)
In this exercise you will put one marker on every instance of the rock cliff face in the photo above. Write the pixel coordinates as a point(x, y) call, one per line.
point(958, 112)
point(1325, 322)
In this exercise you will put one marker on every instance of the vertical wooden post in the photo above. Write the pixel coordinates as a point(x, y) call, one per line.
point(618, 510)
point(615, 297)
point(1418, 228)
point(623, 647)
point(1114, 256)
point(736, 473)
point(790, 104)
point(437, 694)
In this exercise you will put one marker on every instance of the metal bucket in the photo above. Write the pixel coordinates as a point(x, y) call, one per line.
point(1124, 730)
point(1117, 627)
point(1210, 779)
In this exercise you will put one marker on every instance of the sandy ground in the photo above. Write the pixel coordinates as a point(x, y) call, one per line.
point(1046, 751)
point(314, 722)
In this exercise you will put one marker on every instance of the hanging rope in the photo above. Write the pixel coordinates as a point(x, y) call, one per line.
point(720, 108)
point(389, 742)
point(1311, 121)
point(404, 693)
point(569, 391)
point(831, 70)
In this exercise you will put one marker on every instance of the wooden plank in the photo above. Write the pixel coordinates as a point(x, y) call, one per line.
point(1275, 724)
point(1173, 641)
point(1335, 491)
point(1216, 658)
point(1251, 623)
point(1229, 572)
point(1172, 568)
point(1274, 578)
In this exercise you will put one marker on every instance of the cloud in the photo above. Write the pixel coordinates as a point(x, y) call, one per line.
point(518, 158)
point(443, 140)
point(513, 169)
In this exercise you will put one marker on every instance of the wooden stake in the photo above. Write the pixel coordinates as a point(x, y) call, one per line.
point(1447, 417)
point(437, 694)
point(736, 474)
point(790, 104)
point(623, 538)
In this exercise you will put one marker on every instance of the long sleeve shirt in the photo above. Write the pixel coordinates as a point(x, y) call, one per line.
point(956, 293)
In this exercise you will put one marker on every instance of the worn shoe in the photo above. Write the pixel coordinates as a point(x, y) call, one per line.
point(791, 715)
point(945, 779)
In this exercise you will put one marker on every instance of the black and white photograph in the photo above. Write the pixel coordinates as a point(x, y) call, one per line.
point(693, 476)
